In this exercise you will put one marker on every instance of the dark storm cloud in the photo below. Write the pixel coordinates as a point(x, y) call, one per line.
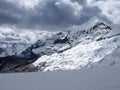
point(56, 13)
point(51, 14)
point(9, 13)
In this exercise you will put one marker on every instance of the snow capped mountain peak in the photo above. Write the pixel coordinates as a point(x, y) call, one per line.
point(92, 22)
point(89, 44)
point(92, 29)
point(89, 24)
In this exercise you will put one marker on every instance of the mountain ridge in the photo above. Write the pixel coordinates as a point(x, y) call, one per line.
point(95, 42)
point(82, 47)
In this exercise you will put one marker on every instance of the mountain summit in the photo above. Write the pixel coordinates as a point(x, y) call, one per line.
point(89, 45)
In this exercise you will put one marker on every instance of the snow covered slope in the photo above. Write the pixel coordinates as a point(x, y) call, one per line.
point(58, 42)
point(13, 41)
point(89, 45)
point(107, 78)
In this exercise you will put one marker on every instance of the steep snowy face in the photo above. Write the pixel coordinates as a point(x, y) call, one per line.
point(13, 42)
point(90, 44)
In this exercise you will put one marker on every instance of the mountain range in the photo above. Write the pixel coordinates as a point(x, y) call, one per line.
point(92, 44)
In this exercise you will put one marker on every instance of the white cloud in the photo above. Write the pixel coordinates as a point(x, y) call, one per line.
point(109, 8)
point(27, 4)
point(90, 2)
point(73, 6)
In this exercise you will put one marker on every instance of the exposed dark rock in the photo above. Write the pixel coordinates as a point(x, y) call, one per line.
point(65, 40)
point(14, 63)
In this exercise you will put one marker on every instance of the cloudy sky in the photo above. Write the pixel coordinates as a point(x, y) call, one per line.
point(52, 14)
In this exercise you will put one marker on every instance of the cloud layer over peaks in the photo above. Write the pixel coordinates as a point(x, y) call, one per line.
point(56, 14)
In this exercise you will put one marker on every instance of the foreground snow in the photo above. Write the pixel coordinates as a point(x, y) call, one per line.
point(105, 78)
